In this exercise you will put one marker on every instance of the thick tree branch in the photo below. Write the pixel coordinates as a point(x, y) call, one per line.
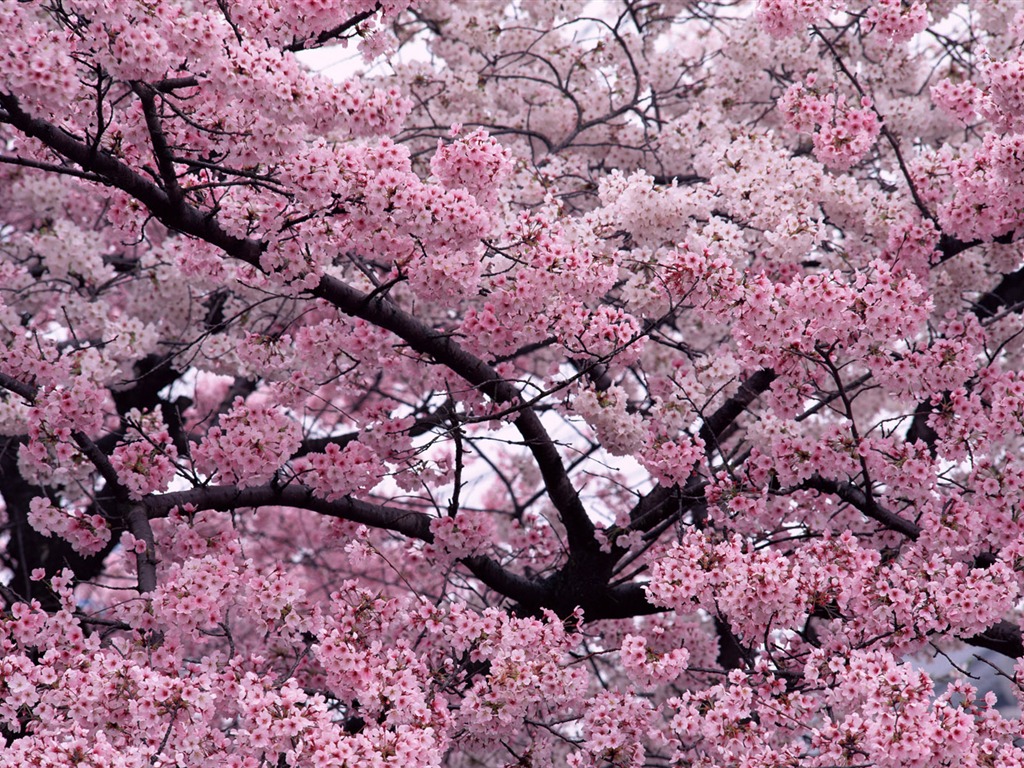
point(61, 170)
point(1004, 638)
point(112, 171)
point(1007, 295)
point(20, 388)
point(161, 151)
point(441, 347)
point(515, 587)
point(145, 561)
point(415, 525)
point(665, 503)
point(750, 389)
point(225, 498)
point(854, 496)
point(950, 246)
point(319, 444)
point(621, 602)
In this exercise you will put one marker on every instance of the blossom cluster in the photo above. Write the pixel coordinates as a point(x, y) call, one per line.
point(337, 471)
point(146, 461)
point(842, 133)
point(474, 161)
point(86, 533)
point(249, 444)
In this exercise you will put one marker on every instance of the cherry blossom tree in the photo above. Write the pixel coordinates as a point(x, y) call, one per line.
point(587, 383)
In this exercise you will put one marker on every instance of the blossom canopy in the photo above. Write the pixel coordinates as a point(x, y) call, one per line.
point(580, 382)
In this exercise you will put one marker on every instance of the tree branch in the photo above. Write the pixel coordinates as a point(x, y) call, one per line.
point(854, 496)
point(225, 498)
point(145, 561)
point(161, 151)
point(1008, 294)
point(334, 33)
point(752, 388)
point(1004, 638)
point(441, 347)
point(20, 388)
point(518, 588)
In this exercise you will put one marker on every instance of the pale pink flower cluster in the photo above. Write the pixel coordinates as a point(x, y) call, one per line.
point(465, 534)
point(429, 233)
point(647, 668)
point(957, 99)
point(930, 590)
point(937, 593)
point(530, 673)
point(52, 455)
point(680, 580)
point(603, 332)
point(88, 534)
point(281, 23)
point(911, 245)
point(897, 21)
point(784, 17)
point(988, 189)
point(671, 460)
point(759, 589)
point(145, 460)
point(1003, 101)
point(945, 364)
point(748, 714)
point(338, 472)
point(787, 326)
point(842, 133)
point(705, 277)
point(70, 250)
point(606, 411)
point(986, 197)
point(142, 46)
point(327, 344)
point(473, 161)
point(38, 65)
point(196, 593)
point(266, 353)
point(249, 445)
point(545, 284)
point(77, 407)
point(125, 703)
point(614, 727)
point(388, 679)
point(887, 713)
